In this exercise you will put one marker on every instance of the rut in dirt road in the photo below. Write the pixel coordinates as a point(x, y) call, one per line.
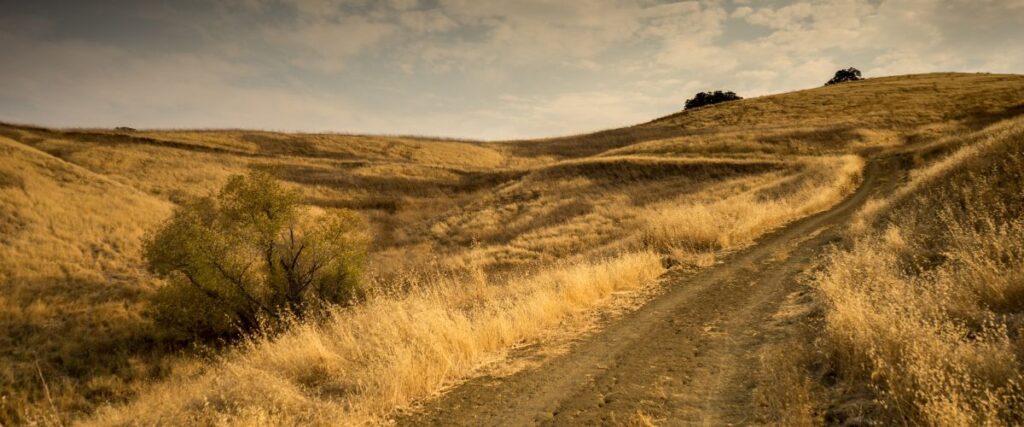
point(689, 356)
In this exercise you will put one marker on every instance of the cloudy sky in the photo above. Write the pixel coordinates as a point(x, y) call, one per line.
point(482, 69)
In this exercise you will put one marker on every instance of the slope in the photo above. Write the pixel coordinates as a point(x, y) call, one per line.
point(832, 118)
point(467, 219)
point(70, 277)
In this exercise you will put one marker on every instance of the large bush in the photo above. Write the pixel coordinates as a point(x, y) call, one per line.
point(847, 75)
point(707, 98)
point(252, 256)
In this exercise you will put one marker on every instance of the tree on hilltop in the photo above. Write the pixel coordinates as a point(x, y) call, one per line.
point(708, 98)
point(848, 75)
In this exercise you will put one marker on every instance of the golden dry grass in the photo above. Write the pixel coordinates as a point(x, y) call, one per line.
point(69, 271)
point(361, 364)
point(553, 225)
point(926, 304)
point(735, 220)
point(786, 395)
point(916, 107)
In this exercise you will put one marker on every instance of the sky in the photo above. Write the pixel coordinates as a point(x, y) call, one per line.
point(479, 69)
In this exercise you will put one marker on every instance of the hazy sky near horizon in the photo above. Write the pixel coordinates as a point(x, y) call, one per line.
point(465, 68)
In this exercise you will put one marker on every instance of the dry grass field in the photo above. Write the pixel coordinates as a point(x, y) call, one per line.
point(479, 248)
point(925, 306)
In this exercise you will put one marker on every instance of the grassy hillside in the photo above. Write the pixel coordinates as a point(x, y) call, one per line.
point(70, 272)
point(479, 247)
point(836, 118)
point(925, 305)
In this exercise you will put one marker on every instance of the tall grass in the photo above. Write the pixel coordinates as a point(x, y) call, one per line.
point(70, 281)
point(737, 220)
point(927, 304)
point(361, 364)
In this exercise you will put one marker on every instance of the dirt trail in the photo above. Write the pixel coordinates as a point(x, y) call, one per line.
point(689, 356)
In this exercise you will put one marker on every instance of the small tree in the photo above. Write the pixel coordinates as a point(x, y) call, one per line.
point(708, 98)
point(847, 75)
point(252, 255)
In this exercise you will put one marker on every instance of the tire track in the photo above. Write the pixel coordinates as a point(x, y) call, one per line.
point(687, 357)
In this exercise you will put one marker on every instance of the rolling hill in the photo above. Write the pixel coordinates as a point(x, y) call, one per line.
point(480, 249)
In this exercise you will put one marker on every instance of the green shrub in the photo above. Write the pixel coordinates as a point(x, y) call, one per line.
point(252, 256)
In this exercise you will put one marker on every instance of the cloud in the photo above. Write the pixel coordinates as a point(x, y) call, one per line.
point(529, 31)
point(327, 45)
point(426, 21)
point(475, 68)
point(403, 4)
point(789, 17)
point(741, 12)
point(580, 111)
point(76, 83)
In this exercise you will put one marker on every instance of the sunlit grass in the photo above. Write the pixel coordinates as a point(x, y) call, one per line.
point(548, 229)
point(926, 304)
point(363, 363)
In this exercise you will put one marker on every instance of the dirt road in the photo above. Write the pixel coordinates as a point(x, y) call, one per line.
point(687, 357)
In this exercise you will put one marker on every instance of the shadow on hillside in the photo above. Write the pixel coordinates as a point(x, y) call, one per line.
point(341, 178)
point(594, 143)
point(628, 170)
point(89, 341)
point(981, 119)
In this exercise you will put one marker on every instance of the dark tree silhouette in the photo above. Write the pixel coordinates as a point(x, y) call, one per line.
point(847, 75)
point(708, 98)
